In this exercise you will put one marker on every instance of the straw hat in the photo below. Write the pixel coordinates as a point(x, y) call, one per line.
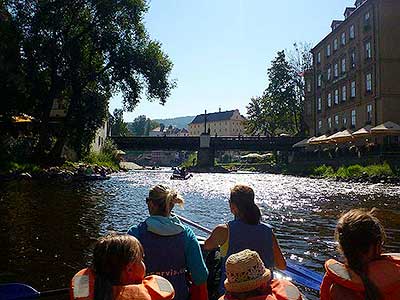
point(245, 271)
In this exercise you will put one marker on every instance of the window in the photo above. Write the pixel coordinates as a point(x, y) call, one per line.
point(329, 101)
point(336, 70)
point(329, 71)
point(368, 50)
point(353, 58)
point(367, 17)
point(353, 118)
point(344, 65)
point(344, 120)
point(343, 38)
point(308, 86)
point(319, 104)
point(369, 113)
point(344, 93)
point(319, 124)
point(353, 89)
point(328, 50)
point(335, 44)
point(336, 96)
point(319, 80)
point(318, 57)
point(368, 82)
point(352, 33)
point(329, 122)
point(336, 121)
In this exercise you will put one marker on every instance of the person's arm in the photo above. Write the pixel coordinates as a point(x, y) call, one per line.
point(194, 259)
point(338, 292)
point(279, 260)
point(217, 238)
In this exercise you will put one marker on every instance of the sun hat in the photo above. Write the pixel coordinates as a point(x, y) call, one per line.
point(245, 271)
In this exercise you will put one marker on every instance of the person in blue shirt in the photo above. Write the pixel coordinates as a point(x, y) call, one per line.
point(245, 232)
point(171, 248)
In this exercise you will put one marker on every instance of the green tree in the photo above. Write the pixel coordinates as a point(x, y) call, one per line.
point(300, 61)
point(281, 106)
point(118, 126)
point(82, 52)
point(281, 94)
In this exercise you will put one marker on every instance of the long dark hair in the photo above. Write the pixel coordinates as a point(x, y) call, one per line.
point(243, 197)
point(112, 253)
point(357, 231)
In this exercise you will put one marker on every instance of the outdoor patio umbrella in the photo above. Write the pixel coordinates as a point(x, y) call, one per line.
point(363, 132)
point(387, 128)
point(319, 140)
point(303, 143)
point(341, 136)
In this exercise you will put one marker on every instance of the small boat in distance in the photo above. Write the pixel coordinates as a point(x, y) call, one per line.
point(180, 174)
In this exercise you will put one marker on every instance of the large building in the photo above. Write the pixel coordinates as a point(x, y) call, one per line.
point(222, 123)
point(355, 78)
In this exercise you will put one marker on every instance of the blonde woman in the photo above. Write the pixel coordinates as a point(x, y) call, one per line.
point(171, 248)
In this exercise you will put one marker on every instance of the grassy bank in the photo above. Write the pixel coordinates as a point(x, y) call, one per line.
point(355, 171)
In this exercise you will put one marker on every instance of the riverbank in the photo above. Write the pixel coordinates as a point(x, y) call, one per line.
point(375, 173)
point(69, 171)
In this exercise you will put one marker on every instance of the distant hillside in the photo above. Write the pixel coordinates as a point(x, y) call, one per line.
point(180, 122)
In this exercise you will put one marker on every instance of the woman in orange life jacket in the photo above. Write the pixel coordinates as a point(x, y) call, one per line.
point(118, 273)
point(367, 273)
point(247, 278)
point(171, 248)
point(245, 232)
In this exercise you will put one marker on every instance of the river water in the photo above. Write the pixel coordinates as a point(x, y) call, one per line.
point(47, 228)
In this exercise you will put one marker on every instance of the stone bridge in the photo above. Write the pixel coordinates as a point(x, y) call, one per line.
point(206, 145)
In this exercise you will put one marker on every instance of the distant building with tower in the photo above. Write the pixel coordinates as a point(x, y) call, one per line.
point(221, 123)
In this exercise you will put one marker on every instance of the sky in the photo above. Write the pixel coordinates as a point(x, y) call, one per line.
point(221, 49)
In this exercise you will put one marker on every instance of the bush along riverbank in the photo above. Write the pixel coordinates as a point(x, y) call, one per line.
point(94, 166)
point(378, 173)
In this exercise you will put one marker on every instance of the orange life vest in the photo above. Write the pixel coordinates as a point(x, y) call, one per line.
point(281, 290)
point(152, 288)
point(384, 273)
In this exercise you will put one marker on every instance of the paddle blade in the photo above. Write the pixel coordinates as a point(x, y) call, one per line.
point(15, 291)
point(302, 276)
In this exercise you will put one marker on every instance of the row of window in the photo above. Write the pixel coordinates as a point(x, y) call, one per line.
point(343, 38)
point(353, 93)
point(337, 123)
point(334, 72)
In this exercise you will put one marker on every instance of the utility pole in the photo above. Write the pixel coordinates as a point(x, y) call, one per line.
point(205, 121)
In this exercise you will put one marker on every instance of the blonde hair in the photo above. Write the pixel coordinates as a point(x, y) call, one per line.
point(164, 199)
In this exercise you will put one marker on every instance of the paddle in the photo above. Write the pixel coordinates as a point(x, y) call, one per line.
point(297, 273)
point(19, 291)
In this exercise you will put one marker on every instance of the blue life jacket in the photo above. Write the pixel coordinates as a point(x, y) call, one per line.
point(254, 237)
point(165, 256)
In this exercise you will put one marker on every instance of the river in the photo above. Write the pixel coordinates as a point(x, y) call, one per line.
point(47, 228)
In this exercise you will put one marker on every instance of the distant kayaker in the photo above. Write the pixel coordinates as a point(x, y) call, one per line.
point(367, 273)
point(248, 279)
point(118, 273)
point(171, 248)
point(245, 232)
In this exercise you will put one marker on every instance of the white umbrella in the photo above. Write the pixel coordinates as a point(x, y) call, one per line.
point(387, 128)
point(363, 132)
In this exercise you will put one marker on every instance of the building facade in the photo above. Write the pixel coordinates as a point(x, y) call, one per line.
point(222, 123)
point(355, 78)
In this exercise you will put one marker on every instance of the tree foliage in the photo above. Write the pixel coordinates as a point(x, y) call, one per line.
point(280, 108)
point(141, 126)
point(117, 124)
point(80, 52)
